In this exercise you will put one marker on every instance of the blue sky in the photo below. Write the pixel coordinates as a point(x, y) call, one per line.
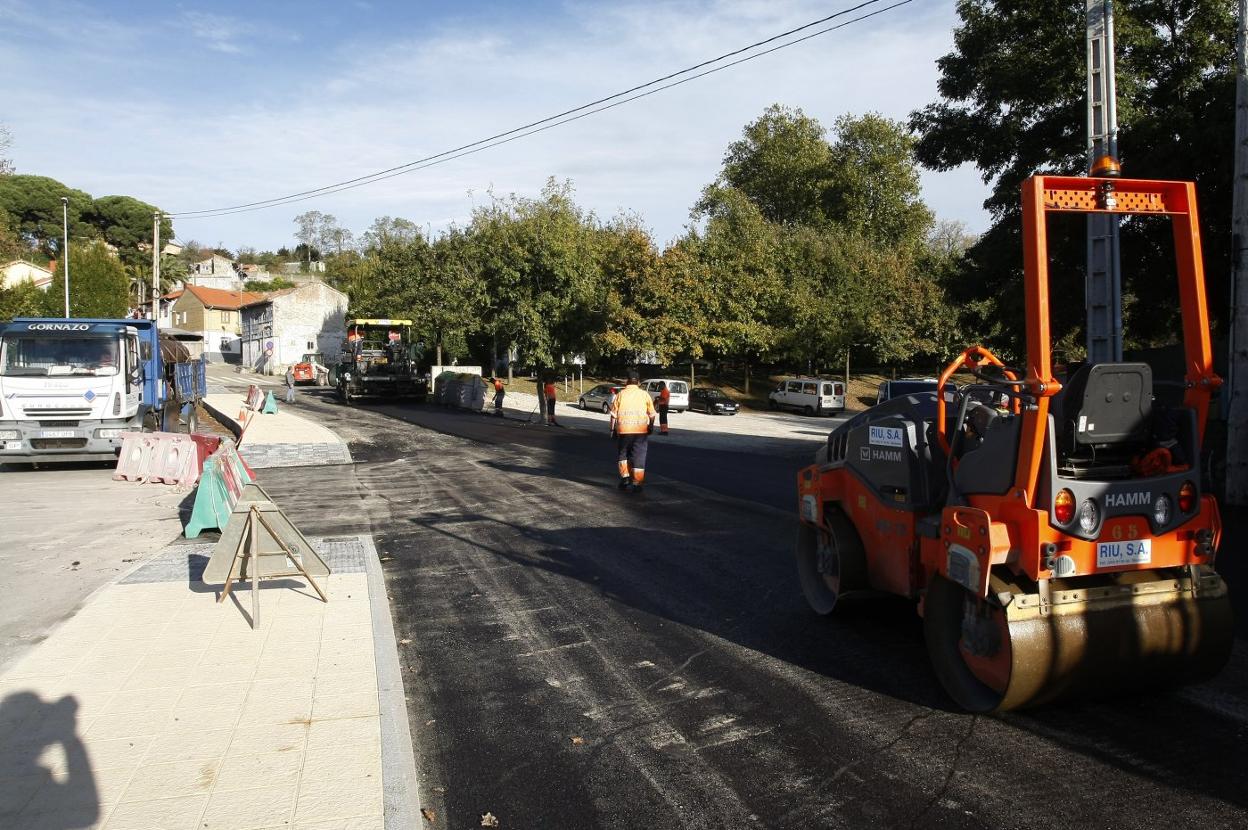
point(200, 105)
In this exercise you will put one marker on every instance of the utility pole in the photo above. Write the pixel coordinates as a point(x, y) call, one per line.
point(156, 270)
point(65, 226)
point(1236, 389)
point(1103, 286)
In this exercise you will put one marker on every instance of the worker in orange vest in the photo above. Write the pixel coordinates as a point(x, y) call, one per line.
point(499, 392)
point(550, 391)
point(665, 399)
point(632, 418)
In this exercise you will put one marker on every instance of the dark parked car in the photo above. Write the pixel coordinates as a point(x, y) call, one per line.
point(712, 402)
point(890, 389)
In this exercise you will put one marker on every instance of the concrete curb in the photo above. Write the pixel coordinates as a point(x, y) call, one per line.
point(225, 420)
point(400, 784)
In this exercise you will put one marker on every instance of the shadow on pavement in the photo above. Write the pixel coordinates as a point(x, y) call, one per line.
point(54, 790)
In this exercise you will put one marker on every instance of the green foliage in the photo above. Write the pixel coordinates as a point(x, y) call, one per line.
point(873, 184)
point(22, 300)
point(98, 284)
point(34, 203)
point(275, 284)
point(1013, 105)
point(387, 230)
point(126, 223)
point(537, 257)
point(781, 163)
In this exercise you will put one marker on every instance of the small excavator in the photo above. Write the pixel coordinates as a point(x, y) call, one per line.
point(1055, 532)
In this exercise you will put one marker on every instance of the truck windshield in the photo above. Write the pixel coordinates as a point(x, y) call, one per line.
point(34, 355)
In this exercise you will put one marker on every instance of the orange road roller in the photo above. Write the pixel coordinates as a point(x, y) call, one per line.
point(1055, 533)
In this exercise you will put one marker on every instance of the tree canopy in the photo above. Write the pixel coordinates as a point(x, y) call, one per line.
point(1012, 104)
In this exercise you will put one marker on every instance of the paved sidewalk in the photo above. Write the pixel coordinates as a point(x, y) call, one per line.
point(157, 707)
point(283, 439)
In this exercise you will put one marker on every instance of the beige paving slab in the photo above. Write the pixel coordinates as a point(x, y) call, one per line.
point(191, 718)
point(337, 802)
point(375, 822)
point(190, 745)
point(270, 806)
point(166, 813)
point(245, 772)
point(344, 732)
point(176, 778)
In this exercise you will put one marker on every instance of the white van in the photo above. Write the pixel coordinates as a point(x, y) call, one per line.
point(811, 395)
point(679, 401)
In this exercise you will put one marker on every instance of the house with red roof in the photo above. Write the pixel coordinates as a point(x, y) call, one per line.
point(213, 313)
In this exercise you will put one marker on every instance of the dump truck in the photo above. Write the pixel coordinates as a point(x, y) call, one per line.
point(69, 388)
point(1055, 532)
point(379, 360)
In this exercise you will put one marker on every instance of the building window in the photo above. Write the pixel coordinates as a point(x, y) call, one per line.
point(311, 346)
point(227, 317)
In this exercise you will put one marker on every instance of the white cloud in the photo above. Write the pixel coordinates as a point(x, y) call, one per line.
point(370, 103)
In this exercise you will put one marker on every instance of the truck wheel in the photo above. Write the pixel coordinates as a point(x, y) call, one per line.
point(606, 408)
point(771, 404)
point(831, 561)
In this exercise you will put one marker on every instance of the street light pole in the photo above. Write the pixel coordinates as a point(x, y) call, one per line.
point(155, 270)
point(65, 226)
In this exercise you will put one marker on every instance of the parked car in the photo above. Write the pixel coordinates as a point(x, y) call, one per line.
point(599, 397)
point(679, 401)
point(711, 401)
point(810, 395)
point(890, 389)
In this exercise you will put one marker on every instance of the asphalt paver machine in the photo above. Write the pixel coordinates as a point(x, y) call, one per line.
point(379, 360)
point(1055, 533)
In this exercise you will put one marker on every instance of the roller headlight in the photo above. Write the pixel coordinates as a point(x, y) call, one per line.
point(1162, 510)
point(1089, 516)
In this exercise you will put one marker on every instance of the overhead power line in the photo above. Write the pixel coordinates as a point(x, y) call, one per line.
point(652, 87)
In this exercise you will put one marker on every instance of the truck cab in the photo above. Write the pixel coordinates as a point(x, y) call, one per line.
point(70, 388)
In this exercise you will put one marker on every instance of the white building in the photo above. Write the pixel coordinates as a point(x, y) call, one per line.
point(19, 271)
point(283, 326)
point(215, 272)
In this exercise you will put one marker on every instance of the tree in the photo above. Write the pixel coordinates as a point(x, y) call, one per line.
point(781, 163)
point(536, 258)
point(745, 288)
point(386, 230)
point(329, 234)
point(98, 285)
point(1013, 105)
point(22, 300)
point(126, 223)
point(873, 183)
point(308, 234)
point(34, 202)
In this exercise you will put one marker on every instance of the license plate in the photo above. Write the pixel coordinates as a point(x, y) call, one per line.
point(1117, 554)
point(56, 433)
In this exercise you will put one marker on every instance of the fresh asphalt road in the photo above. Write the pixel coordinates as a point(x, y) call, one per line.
point(575, 657)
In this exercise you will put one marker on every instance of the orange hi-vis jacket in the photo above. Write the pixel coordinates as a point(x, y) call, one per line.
point(665, 396)
point(498, 385)
point(632, 411)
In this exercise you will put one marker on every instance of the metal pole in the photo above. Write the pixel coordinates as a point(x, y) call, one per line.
point(1103, 286)
point(156, 270)
point(65, 226)
point(1236, 391)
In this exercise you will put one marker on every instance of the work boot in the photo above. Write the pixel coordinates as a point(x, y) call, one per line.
point(625, 483)
point(637, 489)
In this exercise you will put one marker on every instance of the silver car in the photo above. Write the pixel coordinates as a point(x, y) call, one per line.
point(599, 397)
